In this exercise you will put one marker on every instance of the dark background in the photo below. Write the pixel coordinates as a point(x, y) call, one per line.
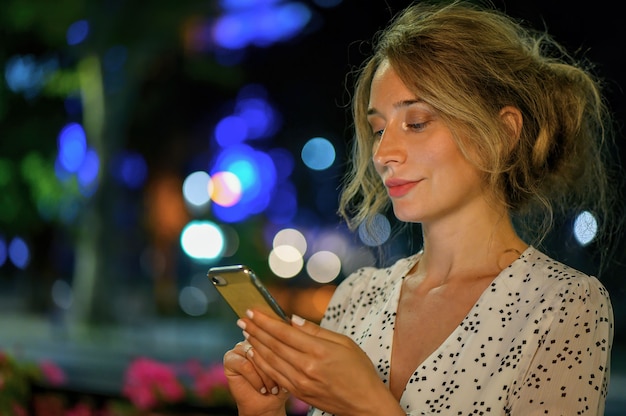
point(170, 102)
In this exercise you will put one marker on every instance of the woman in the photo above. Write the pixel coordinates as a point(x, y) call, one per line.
point(464, 121)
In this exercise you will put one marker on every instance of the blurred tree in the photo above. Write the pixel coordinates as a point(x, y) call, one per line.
point(32, 199)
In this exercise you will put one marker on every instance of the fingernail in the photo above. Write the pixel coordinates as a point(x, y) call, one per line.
point(241, 324)
point(245, 334)
point(249, 314)
point(297, 320)
point(275, 390)
point(284, 390)
point(263, 390)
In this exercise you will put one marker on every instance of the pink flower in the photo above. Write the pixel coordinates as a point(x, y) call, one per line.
point(81, 409)
point(52, 372)
point(18, 410)
point(297, 406)
point(148, 381)
point(206, 381)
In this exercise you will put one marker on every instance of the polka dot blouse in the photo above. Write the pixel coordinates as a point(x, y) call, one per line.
point(537, 342)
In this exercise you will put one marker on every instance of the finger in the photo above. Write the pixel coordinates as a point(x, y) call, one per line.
point(269, 364)
point(300, 340)
point(237, 361)
point(269, 385)
point(276, 357)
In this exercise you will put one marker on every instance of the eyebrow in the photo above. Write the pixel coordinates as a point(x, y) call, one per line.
point(399, 104)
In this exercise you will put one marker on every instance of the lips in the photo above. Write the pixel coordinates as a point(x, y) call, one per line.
point(399, 187)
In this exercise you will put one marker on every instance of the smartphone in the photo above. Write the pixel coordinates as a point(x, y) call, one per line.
point(242, 290)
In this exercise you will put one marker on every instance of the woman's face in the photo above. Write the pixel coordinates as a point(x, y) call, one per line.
point(426, 175)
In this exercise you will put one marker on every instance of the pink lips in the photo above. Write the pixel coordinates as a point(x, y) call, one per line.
point(399, 187)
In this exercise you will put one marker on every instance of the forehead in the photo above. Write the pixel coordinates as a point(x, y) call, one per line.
point(386, 83)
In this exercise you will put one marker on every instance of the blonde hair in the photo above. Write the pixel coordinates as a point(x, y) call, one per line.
point(469, 62)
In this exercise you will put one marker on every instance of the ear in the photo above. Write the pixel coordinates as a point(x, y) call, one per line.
point(512, 118)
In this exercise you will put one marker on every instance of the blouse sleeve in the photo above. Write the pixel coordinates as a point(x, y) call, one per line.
point(569, 373)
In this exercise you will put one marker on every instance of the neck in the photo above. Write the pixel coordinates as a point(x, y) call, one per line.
point(469, 248)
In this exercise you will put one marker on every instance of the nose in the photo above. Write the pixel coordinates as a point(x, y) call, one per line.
point(389, 149)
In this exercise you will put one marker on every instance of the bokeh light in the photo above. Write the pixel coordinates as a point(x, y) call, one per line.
point(19, 252)
point(24, 74)
point(202, 241)
point(318, 153)
point(77, 32)
point(193, 301)
point(197, 188)
point(62, 294)
point(229, 130)
point(375, 233)
point(290, 237)
point(323, 266)
point(130, 169)
point(259, 23)
point(72, 144)
point(585, 228)
point(227, 189)
point(88, 172)
point(285, 261)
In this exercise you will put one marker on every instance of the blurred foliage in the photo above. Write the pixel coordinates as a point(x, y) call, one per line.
point(33, 201)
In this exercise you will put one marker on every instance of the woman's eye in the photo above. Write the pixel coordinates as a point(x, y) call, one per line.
point(415, 126)
point(379, 133)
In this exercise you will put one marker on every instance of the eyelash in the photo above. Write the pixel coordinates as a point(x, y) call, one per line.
point(412, 126)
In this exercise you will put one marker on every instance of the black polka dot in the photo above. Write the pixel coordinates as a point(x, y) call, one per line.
point(538, 341)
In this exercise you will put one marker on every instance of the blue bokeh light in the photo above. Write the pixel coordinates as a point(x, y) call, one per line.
point(230, 130)
point(88, 171)
point(260, 118)
point(130, 169)
point(233, 5)
point(318, 153)
point(259, 23)
point(72, 144)
point(256, 173)
point(376, 233)
point(196, 188)
point(25, 75)
point(19, 253)
point(77, 32)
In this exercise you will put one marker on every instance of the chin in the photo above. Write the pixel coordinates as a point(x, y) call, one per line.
point(404, 216)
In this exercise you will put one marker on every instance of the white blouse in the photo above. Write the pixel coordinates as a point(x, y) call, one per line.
point(537, 342)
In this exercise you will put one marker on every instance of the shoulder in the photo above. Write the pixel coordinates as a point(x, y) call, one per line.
point(368, 278)
point(365, 287)
point(553, 279)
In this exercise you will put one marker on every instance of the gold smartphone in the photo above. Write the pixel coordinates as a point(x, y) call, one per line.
point(242, 290)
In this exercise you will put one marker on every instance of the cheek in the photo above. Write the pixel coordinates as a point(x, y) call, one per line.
point(449, 158)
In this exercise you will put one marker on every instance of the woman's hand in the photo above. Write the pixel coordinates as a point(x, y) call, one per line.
point(255, 393)
point(323, 368)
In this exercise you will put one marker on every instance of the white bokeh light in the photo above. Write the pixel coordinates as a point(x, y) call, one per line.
point(323, 266)
point(285, 261)
point(193, 301)
point(196, 188)
point(202, 240)
point(585, 228)
point(290, 237)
